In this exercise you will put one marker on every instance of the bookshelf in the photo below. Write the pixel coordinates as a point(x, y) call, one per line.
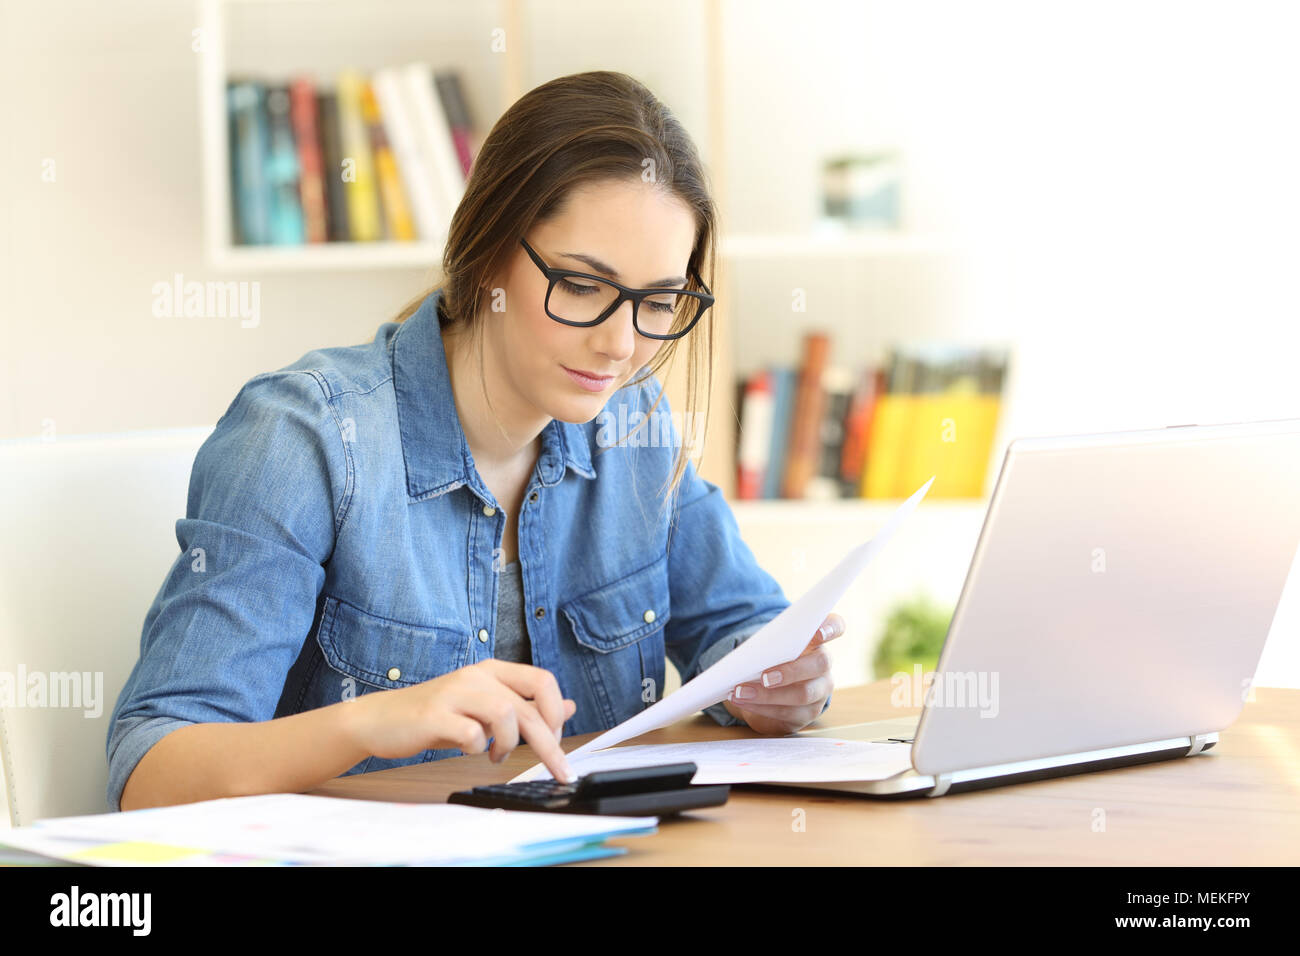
point(233, 44)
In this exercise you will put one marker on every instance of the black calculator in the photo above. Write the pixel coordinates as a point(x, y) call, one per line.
point(633, 791)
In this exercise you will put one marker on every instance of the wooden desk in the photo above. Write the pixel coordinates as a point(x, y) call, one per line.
point(1238, 804)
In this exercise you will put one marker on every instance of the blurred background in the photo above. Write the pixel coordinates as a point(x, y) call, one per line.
point(1022, 218)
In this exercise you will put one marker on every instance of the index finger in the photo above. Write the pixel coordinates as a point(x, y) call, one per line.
point(536, 684)
point(532, 727)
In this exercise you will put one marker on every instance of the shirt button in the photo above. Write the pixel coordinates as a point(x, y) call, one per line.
point(649, 616)
point(533, 496)
point(489, 510)
point(394, 673)
point(540, 612)
point(482, 634)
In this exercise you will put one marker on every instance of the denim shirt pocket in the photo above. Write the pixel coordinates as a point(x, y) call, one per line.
point(620, 628)
point(377, 653)
point(385, 653)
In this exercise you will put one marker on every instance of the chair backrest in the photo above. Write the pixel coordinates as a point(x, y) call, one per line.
point(87, 535)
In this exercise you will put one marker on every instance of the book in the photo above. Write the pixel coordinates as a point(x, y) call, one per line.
point(805, 428)
point(454, 104)
point(433, 134)
point(889, 428)
point(252, 203)
point(756, 436)
point(857, 425)
point(327, 116)
point(358, 173)
point(784, 383)
point(392, 195)
point(311, 183)
point(938, 416)
point(417, 177)
point(837, 391)
point(282, 171)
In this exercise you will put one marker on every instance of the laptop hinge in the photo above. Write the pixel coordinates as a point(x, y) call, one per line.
point(1198, 744)
point(941, 784)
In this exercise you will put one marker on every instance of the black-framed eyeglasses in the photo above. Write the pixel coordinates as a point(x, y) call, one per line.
point(583, 300)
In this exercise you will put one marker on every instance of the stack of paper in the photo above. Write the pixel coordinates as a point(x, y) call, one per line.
point(297, 829)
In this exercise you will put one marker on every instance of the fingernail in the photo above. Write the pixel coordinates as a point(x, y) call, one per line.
point(771, 679)
point(570, 776)
point(742, 692)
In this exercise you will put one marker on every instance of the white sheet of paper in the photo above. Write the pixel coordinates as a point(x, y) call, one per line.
point(761, 760)
point(782, 639)
point(315, 829)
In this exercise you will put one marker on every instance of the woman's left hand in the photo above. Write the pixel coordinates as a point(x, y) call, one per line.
point(789, 696)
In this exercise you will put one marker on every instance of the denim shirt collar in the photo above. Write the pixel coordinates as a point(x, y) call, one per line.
point(434, 447)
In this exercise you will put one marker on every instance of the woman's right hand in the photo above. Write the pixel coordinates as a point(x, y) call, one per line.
point(494, 699)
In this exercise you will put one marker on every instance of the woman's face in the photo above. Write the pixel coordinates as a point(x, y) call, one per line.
point(631, 232)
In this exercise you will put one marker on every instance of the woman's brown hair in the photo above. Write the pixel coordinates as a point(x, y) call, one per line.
point(569, 132)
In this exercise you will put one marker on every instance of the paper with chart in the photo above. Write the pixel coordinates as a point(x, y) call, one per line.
point(781, 639)
point(308, 829)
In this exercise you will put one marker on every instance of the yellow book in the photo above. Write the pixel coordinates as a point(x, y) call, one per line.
point(885, 445)
point(358, 172)
point(397, 212)
point(939, 418)
point(951, 435)
point(980, 429)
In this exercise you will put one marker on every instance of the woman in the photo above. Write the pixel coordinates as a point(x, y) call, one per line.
point(402, 551)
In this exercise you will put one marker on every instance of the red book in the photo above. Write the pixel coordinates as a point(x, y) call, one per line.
point(311, 184)
point(857, 426)
point(755, 437)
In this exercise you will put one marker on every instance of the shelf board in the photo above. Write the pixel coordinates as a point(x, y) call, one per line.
point(385, 254)
point(846, 245)
point(806, 510)
point(391, 254)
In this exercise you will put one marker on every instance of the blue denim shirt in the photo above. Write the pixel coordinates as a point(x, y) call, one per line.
point(338, 541)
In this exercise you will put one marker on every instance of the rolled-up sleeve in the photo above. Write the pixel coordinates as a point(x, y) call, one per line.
point(129, 740)
point(267, 494)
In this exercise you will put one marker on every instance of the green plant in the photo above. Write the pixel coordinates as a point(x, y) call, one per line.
point(913, 634)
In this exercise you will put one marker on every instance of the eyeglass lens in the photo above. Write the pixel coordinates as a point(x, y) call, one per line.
point(579, 299)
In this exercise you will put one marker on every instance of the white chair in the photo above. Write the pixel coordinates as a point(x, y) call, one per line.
point(87, 535)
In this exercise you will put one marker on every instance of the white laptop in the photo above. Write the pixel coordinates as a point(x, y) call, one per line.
point(1115, 609)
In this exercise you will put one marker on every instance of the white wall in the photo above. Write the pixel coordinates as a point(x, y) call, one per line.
point(1124, 174)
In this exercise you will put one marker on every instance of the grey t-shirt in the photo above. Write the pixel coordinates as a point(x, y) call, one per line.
point(512, 629)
